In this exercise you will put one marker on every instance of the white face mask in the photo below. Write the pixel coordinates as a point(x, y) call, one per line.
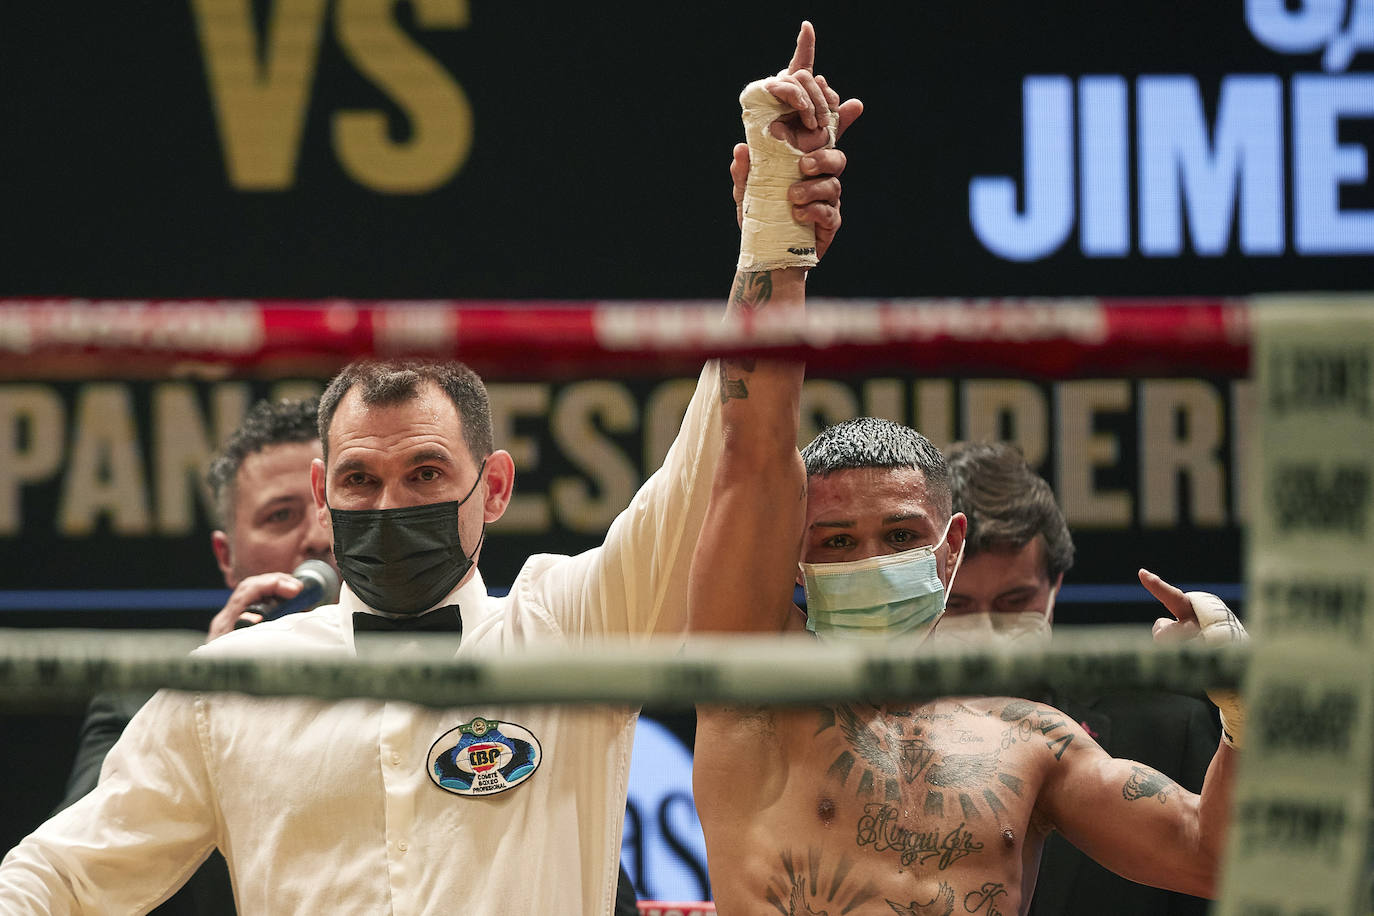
point(1027, 629)
point(898, 594)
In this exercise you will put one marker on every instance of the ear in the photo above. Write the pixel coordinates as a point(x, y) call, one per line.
point(1054, 593)
point(954, 540)
point(317, 490)
point(224, 555)
point(499, 475)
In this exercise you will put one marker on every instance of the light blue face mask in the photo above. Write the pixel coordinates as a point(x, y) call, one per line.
point(896, 594)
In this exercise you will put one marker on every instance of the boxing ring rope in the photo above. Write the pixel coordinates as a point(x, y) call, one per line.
point(1301, 831)
point(1051, 337)
point(754, 669)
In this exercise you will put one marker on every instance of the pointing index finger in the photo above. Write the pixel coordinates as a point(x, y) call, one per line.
point(804, 58)
point(1171, 597)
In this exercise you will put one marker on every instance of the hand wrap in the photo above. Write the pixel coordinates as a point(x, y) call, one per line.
point(1219, 627)
point(769, 237)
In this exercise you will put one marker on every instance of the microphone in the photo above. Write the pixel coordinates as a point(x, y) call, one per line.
point(320, 585)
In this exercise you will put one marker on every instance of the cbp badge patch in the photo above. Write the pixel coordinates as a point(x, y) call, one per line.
point(483, 757)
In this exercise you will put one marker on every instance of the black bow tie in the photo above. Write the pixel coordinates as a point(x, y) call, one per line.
point(445, 619)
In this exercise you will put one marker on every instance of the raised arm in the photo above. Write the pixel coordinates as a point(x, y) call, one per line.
point(787, 194)
point(1135, 820)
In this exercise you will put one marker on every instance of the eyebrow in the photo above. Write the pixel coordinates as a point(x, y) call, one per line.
point(281, 499)
point(350, 464)
point(889, 520)
point(429, 456)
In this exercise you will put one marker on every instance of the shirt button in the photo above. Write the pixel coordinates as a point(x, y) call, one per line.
point(403, 845)
point(395, 759)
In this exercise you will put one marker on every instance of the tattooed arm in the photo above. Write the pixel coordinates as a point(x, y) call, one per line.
point(1138, 822)
point(1127, 816)
point(746, 556)
point(1163, 835)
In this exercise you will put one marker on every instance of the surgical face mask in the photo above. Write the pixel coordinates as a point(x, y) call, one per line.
point(403, 560)
point(986, 630)
point(1025, 629)
point(898, 594)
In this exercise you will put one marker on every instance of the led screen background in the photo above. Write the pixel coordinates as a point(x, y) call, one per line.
point(472, 149)
point(452, 149)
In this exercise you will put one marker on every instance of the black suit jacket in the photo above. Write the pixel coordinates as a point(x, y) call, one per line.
point(1176, 735)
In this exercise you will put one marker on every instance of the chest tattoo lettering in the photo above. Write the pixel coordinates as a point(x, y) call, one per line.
point(879, 828)
point(984, 900)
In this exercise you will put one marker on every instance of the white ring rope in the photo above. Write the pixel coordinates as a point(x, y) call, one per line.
point(69, 665)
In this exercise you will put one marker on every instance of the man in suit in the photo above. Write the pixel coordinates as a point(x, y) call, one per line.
point(1016, 552)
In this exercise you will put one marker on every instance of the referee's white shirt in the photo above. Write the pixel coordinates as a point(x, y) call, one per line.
point(328, 807)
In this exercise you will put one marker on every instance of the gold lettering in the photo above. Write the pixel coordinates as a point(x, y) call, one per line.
point(1081, 450)
point(183, 446)
point(1011, 411)
point(527, 512)
point(583, 440)
point(934, 409)
point(30, 446)
point(825, 403)
point(105, 476)
point(260, 99)
point(434, 105)
point(884, 397)
point(1168, 454)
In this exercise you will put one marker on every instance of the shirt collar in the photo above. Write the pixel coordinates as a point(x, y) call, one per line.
point(471, 596)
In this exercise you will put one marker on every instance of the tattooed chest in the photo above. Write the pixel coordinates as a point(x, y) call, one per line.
point(933, 766)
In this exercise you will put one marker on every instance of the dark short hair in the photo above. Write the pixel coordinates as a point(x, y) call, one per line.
point(386, 383)
point(870, 442)
point(1007, 503)
point(267, 423)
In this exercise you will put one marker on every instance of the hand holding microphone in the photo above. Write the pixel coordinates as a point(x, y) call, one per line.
point(319, 585)
point(272, 595)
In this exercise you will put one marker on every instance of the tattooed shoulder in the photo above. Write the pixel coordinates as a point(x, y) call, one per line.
point(1035, 722)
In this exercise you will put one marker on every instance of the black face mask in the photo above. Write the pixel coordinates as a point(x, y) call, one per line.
point(402, 561)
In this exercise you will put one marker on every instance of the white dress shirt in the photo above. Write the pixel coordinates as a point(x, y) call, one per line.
point(329, 807)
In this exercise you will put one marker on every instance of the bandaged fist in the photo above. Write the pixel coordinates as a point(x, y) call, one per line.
point(815, 199)
point(786, 178)
point(1202, 615)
